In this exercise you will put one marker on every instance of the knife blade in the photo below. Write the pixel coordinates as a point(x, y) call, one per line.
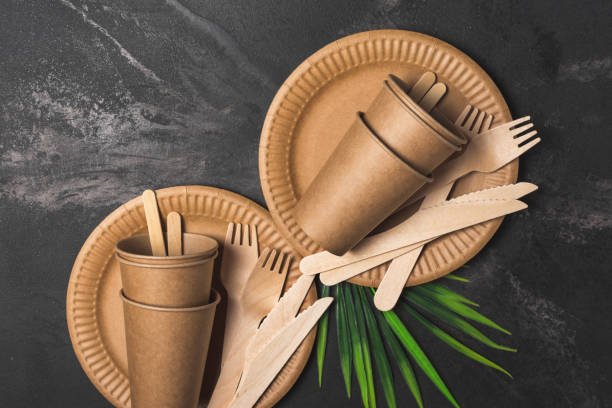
point(505, 192)
point(414, 227)
point(338, 270)
point(273, 357)
point(281, 314)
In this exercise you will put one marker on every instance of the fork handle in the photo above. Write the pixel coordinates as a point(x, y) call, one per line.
point(445, 174)
point(393, 282)
point(237, 335)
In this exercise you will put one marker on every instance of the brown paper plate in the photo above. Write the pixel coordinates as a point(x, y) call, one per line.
point(317, 103)
point(94, 309)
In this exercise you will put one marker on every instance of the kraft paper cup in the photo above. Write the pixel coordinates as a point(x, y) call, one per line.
point(359, 186)
point(408, 131)
point(167, 349)
point(186, 282)
point(138, 249)
point(395, 84)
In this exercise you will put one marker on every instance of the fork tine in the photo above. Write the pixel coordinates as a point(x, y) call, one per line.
point(487, 123)
point(479, 119)
point(283, 267)
point(278, 263)
point(269, 263)
point(265, 254)
point(469, 123)
point(281, 270)
point(517, 122)
point(461, 119)
point(524, 138)
point(524, 148)
point(512, 124)
point(253, 229)
point(517, 131)
point(288, 263)
point(246, 232)
point(229, 235)
point(283, 259)
point(238, 234)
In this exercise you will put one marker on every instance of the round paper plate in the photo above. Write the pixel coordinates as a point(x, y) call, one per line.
point(317, 104)
point(94, 310)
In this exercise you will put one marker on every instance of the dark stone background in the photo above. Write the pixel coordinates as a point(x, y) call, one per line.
point(102, 99)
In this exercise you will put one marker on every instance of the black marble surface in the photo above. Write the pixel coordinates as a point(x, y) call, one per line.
point(102, 99)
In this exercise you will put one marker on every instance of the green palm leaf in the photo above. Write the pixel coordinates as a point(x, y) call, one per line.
point(322, 337)
point(457, 278)
point(413, 348)
point(365, 345)
point(462, 309)
point(439, 291)
point(453, 320)
point(401, 359)
point(452, 342)
point(357, 346)
point(380, 356)
point(344, 340)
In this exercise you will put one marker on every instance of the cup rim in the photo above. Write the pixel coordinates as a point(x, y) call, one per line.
point(166, 265)
point(212, 252)
point(422, 116)
point(213, 303)
point(362, 119)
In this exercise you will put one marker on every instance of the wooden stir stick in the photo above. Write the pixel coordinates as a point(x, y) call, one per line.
point(433, 96)
point(156, 235)
point(390, 288)
point(174, 234)
point(425, 82)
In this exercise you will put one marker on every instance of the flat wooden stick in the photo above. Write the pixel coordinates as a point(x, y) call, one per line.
point(175, 234)
point(421, 87)
point(433, 96)
point(156, 235)
point(391, 286)
point(420, 226)
point(342, 273)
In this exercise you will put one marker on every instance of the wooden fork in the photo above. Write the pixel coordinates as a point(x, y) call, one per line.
point(487, 152)
point(258, 296)
point(239, 258)
point(471, 121)
point(240, 253)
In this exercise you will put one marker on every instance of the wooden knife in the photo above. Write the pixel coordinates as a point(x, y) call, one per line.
point(267, 364)
point(466, 215)
point(280, 315)
point(423, 225)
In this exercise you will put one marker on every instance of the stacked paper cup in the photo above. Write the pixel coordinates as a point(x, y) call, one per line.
point(385, 157)
point(169, 313)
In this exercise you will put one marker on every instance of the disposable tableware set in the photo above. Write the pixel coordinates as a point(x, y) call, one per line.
point(378, 154)
point(169, 309)
point(391, 185)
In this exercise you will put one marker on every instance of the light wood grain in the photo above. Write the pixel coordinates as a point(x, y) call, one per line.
point(346, 268)
point(174, 234)
point(472, 122)
point(392, 284)
point(420, 88)
point(433, 96)
point(268, 363)
point(487, 152)
point(281, 314)
point(156, 235)
point(454, 217)
point(258, 296)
